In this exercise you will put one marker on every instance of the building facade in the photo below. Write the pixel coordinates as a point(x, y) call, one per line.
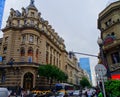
point(108, 24)
point(2, 4)
point(29, 41)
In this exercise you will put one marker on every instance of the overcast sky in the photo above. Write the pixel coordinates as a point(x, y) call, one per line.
point(74, 20)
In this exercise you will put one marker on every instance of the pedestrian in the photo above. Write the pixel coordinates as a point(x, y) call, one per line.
point(80, 93)
point(86, 94)
point(66, 94)
point(89, 93)
point(100, 94)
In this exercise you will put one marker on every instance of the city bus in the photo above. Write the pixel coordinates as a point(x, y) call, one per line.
point(64, 88)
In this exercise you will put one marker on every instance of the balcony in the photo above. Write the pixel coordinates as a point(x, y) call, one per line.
point(112, 44)
point(20, 64)
point(114, 67)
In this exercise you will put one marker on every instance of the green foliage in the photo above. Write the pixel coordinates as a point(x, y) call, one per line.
point(53, 72)
point(84, 82)
point(113, 87)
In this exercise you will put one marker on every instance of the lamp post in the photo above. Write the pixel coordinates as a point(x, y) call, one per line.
point(100, 43)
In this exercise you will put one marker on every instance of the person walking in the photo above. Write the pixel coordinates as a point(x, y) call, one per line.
point(100, 94)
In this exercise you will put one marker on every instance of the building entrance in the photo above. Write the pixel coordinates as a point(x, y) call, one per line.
point(28, 81)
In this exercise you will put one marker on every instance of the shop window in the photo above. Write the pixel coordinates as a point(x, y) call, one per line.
point(115, 57)
point(3, 77)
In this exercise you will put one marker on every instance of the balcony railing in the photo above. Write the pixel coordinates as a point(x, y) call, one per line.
point(16, 64)
point(114, 67)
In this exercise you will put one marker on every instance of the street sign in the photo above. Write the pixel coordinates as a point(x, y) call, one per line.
point(100, 78)
point(100, 69)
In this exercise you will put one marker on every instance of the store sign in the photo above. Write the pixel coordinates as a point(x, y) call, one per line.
point(116, 76)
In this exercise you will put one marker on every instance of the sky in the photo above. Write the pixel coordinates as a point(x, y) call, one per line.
point(74, 20)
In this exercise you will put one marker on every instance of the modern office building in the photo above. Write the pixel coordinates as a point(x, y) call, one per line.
point(2, 4)
point(29, 41)
point(85, 65)
point(109, 26)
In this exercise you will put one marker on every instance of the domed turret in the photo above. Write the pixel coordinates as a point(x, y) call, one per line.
point(32, 6)
point(111, 1)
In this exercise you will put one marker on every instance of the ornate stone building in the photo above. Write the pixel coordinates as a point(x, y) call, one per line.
point(28, 41)
point(109, 25)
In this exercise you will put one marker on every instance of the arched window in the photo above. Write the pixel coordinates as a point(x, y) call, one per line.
point(30, 54)
point(31, 38)
point(22, 51)
point(23, 39)
point(4, 50)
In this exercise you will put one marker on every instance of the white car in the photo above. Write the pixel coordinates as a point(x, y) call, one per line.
point(4, 92)
point(76, 93)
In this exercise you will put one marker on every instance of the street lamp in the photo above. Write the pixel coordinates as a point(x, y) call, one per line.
point(100, 43)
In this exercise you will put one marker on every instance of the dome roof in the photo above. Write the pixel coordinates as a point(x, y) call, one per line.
point(111, 1)
point(31, 5)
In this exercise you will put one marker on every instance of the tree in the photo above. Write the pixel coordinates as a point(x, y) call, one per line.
point(52, 72)
point(84, 82)
point(112, 87)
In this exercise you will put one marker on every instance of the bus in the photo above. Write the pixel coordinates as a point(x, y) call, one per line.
point(64, 88)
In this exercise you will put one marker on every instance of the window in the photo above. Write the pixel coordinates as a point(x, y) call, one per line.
point(25, 22)
point(32, 22)
point(108, 23)
point(4, 60)
point(32, 14)
point(47, 54)
point(18, 22)
point(22, 52)
point(23, 39)
point(65, 67)
point(115, 57)
point(37, 40)
point(30, 54)
point(6, 39)
point(31, 38)
point(47, 46)
point(37, 55)
point(4, 50)
point(3, 77)
point(30, 59)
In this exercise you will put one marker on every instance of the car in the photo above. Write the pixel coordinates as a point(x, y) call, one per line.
point(4, 92)
point(76, 93)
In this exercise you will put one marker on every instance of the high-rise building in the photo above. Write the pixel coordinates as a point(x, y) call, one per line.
point(85, 65)
point(2, 4)
point(109, 25)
